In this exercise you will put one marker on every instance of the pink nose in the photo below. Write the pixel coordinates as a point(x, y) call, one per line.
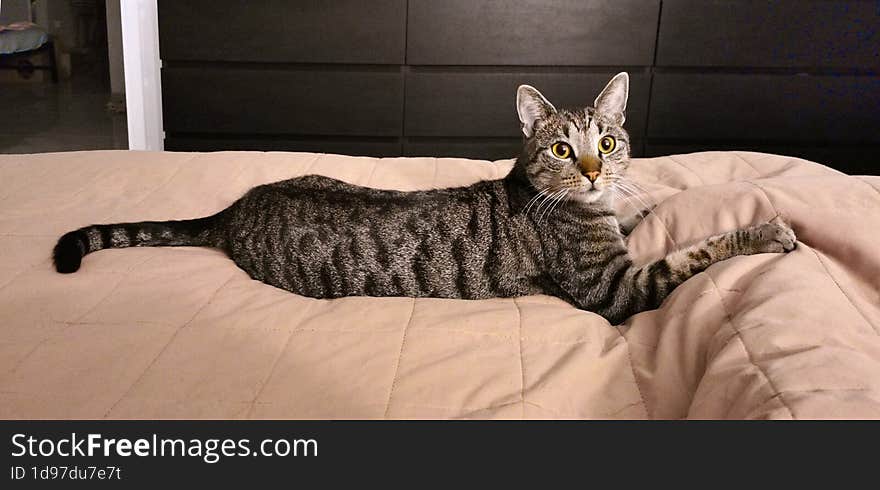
point(592, 176)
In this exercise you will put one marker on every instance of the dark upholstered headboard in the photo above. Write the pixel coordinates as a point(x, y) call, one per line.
point(428, 77)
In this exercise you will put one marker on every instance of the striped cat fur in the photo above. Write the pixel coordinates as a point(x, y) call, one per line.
point(546, 228)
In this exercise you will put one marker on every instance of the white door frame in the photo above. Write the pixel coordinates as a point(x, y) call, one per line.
point(143, 83)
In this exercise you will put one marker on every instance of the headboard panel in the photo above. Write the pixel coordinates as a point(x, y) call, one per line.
point(422, 77)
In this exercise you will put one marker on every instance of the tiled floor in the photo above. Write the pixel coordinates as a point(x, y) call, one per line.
point(67, 116)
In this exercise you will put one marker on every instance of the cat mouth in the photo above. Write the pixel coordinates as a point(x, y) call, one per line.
point(585, 189)
point(589, 194)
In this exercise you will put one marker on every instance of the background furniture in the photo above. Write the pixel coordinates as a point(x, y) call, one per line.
point(421, 77)
point(25, 50)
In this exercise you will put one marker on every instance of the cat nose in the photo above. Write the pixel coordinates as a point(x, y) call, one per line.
point(590, 167)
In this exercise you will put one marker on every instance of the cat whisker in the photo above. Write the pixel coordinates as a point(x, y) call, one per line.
point(531, 202)
point(618, 195)
point(557, 198)
point(546, 203)
point(630, 197)
point(635, 188)
point(629, 189)
point(622, 181)
point(538, 202)
point(636, 185)
point(559, 202)
point(539, 211)
point(535, 199)
point(549, 211)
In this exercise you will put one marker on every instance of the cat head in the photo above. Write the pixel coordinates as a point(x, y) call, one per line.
point(578, 151)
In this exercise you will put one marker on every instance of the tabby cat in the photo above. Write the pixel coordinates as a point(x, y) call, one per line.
point(546, 228)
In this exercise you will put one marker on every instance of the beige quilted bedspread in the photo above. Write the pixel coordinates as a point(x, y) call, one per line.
point(183, 333)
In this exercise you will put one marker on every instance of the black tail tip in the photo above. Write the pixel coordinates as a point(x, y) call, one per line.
point(68, 254)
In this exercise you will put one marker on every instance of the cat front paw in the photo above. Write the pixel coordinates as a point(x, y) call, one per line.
point(774, 237)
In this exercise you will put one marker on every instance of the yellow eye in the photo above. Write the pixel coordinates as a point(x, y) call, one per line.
point(607, 144)
point(561, 150)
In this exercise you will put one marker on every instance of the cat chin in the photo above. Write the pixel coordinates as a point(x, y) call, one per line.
point(588, 196)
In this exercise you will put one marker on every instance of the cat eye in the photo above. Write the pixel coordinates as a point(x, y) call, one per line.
point(607, 144)
point(561, 150)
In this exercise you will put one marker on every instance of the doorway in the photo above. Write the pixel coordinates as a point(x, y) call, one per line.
point(85, 108)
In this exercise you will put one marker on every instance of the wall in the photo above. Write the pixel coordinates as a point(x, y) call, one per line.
point(114, 49)
point(420, 77)
point(58, 18)
point(14, 11)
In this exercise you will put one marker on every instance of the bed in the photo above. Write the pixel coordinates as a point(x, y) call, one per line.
point(183, 333)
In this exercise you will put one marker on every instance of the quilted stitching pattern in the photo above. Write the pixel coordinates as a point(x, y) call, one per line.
point(183, 333)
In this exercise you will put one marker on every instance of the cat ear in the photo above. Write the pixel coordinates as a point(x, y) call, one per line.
point(531, 107)
point(612, 101)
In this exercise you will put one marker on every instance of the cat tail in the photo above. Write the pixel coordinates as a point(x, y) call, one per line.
point(74, 245)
